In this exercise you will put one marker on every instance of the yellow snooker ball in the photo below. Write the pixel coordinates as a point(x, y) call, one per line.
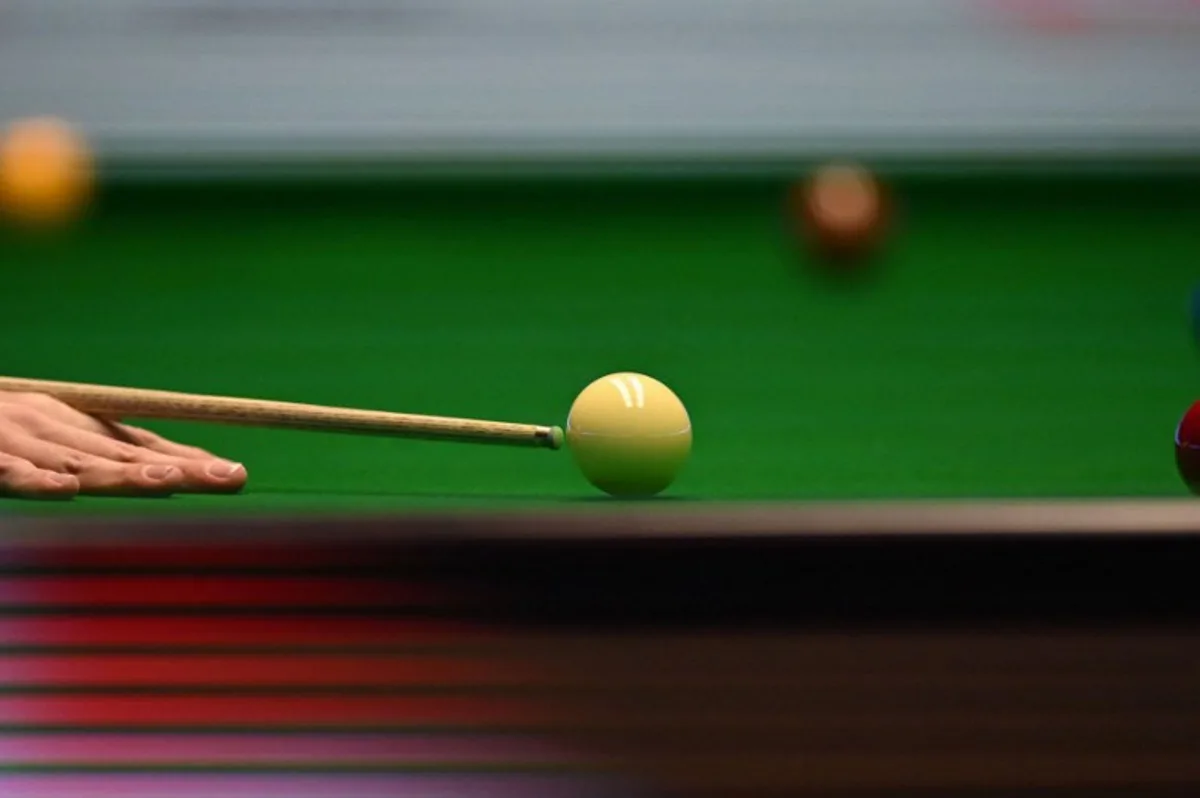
point(45, 171)
point(629, 434)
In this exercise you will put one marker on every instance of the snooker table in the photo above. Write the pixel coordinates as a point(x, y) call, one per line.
point(931, 540)
point(1027, 334)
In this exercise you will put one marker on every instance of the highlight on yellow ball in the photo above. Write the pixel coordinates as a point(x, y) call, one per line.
point(46, 172)
point(629, 434)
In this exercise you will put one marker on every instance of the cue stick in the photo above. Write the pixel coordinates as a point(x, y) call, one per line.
point(117, 402)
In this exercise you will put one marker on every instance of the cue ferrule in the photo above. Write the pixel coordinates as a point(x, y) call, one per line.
point(119, 402)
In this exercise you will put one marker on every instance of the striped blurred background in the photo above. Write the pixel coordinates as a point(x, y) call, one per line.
point(180, 662)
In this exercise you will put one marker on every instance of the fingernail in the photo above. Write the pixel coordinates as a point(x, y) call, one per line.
point(62, 479)
point(159, 472)
point(223, 470)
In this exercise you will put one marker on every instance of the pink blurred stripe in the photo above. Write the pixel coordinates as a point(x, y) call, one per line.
point(265, 786)
point(253, 670)
point(213, 591)
point(216, 710)
point(209, 750)
point(132, 630)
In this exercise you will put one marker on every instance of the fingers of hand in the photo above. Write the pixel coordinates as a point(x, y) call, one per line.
point(206, 471)
point(97, 475)
point(101, 446)
point(198, 474)
point(22, 478)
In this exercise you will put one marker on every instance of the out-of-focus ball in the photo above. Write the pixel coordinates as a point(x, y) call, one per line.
point(629, 434)
point(1187, 448)
point(841, 212)
point(45, 172)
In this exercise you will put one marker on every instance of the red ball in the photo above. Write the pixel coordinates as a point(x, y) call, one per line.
point(841, 212)
point(1187, 448)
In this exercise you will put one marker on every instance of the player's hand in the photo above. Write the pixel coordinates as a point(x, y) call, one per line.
point(49, 450)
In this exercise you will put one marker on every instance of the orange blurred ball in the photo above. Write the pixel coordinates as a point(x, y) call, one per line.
point(842, 211)
point(45, 172)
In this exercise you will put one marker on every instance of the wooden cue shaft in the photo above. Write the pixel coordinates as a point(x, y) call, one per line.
point(117, 402)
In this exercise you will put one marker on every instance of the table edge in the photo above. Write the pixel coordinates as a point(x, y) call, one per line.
point(649, 521)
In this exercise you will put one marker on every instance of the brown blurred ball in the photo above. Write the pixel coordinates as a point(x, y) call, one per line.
point(841, 212)
point(45, 172)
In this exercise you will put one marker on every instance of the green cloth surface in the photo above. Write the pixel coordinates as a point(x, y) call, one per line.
point(1023, 337)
